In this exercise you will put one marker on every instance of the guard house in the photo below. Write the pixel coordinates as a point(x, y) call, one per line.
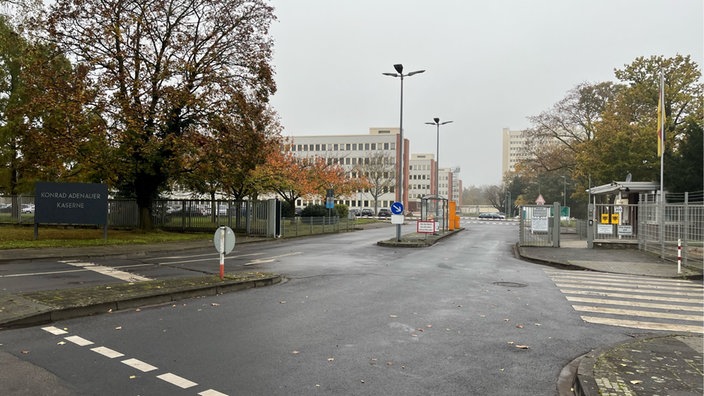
point(616, 205)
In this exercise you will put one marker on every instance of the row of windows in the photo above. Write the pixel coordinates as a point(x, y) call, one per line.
point(360, 161)
point(419, 167)
point(343, 146)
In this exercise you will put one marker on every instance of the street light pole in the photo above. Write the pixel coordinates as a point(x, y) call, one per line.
point(399, 73)
point(437, 123)
point(564, 191)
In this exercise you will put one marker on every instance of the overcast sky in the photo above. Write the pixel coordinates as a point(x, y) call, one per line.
point(489, 64)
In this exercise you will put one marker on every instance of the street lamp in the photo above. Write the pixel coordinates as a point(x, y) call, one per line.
point(437, 124)
point(399, 73)
point(564, 191)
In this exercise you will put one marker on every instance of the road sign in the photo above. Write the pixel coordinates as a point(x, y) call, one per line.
point(224, 240)
point(397, 208)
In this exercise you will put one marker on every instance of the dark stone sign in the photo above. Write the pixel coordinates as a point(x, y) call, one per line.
point(71, 203)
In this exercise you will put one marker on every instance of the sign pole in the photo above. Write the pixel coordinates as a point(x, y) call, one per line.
point(222, 253)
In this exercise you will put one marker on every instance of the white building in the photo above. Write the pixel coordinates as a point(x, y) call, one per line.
point(514, 149)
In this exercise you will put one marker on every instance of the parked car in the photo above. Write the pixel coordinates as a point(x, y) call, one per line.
point(492, 216)
point(28, 208)
point(355, 212)
point(383, 212)
point(367, 212)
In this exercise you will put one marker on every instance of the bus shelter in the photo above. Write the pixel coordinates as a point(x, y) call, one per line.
point(435, 208)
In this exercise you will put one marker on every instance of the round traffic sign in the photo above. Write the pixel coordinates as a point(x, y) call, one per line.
point(397, 208)
point(224, 240)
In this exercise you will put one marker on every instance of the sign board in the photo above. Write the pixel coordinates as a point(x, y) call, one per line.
point(604, 218)
point(625, 230)
point(614, 218)
point(224, 240)
point(397, 219)
point(540, 200)
point(71, 203)
point(425, 226)
point(397, 208)
point(539, 220)
point(604, 229)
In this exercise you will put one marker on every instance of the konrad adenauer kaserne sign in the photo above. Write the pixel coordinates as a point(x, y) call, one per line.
point(70, 203)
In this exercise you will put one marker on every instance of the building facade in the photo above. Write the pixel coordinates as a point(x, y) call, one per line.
point(514, 149)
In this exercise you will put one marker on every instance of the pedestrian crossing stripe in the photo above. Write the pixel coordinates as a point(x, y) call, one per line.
point(633, 301)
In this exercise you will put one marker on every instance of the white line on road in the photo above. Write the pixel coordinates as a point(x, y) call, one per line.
point(80, 341)
point(107, 352)
point(139, 365)
point(644, 325)
point(211, 392)
point(109, 271)
point(176, 380)
point(54, 330)
point(265, 260)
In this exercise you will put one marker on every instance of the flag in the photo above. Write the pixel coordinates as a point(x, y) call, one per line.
point(661, 116)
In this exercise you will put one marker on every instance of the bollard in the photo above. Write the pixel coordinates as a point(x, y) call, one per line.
point(679, 256)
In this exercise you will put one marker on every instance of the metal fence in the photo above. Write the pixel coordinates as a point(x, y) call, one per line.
point(672, 229)
point(250, 218)
point(537, 226)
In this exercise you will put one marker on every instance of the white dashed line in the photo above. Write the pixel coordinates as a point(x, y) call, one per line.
point(109, 271)
point(80, 341)
point(54, 330)
point(107, 352)
point(211, 392)
point(176, 380)
point(139, 365)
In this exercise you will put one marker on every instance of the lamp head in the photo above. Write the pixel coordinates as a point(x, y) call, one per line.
point(437, 120)
point(399, 68)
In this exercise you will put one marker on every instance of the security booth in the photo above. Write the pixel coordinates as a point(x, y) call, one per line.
point(613, 210)
point(435, 208)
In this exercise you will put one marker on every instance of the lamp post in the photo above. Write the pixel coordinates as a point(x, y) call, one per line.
point(399, 73)
point(437, 124)
point(564, 191)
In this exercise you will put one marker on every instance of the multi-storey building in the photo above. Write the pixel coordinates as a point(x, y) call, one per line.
point(353, 152)
point(514, 149)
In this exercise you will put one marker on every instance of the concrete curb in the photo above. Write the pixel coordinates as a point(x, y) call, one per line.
point(414, 241)
point(52, 314)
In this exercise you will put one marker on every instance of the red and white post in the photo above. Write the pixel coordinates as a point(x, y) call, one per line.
point(679, 256)
point(222, 254)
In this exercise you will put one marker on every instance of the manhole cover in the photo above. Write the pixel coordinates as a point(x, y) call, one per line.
point(509, 284)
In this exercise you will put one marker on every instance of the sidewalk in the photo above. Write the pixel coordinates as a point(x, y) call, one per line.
point(648, 365)
point(657, 365)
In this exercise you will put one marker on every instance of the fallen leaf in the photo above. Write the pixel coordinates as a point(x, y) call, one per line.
point(61, 343)
point(511, 342)
point(118, 328)
point(295, 352)
point(635, 382)
point(330, 359)
point(537, 324)
point(133, 376)
point(138, 310)
point(282, 302)
point(362, 381)
point(519, 326)
point(25, 352)
point(215, 304)
point(522, 346)
point(507, 320)
point(393, 316)
point(429, 326)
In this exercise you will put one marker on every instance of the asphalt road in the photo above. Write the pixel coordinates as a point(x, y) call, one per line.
point(461, 317)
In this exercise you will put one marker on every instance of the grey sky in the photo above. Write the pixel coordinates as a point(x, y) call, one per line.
point(489, 64)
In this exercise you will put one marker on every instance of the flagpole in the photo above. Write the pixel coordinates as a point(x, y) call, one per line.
point(661, 149)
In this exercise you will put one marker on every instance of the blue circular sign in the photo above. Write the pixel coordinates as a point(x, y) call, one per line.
point(397, 208)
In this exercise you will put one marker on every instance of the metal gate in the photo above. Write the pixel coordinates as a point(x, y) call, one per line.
point(538, 225)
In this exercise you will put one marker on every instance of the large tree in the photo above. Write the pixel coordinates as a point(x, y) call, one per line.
point(163, 69)
point(626, 138)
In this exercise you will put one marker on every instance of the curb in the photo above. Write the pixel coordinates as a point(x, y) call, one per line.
point(417, 242)
point(55, 314)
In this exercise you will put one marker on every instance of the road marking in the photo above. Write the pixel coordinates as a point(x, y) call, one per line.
point(638, 324)
point(633, 301)
point(54, 330)
point(139, 365)
point(634, 304)
point(107, 352)
point(672, 292)
point(80, 341)
point(109, 271)
point(265, 260)
point(176, 380)
point(599, 293)
point(42, 273)
point(205, 257)
point(631, 312)
point(211, 392)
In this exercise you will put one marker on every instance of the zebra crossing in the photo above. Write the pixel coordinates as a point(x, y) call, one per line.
point(634, 301)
